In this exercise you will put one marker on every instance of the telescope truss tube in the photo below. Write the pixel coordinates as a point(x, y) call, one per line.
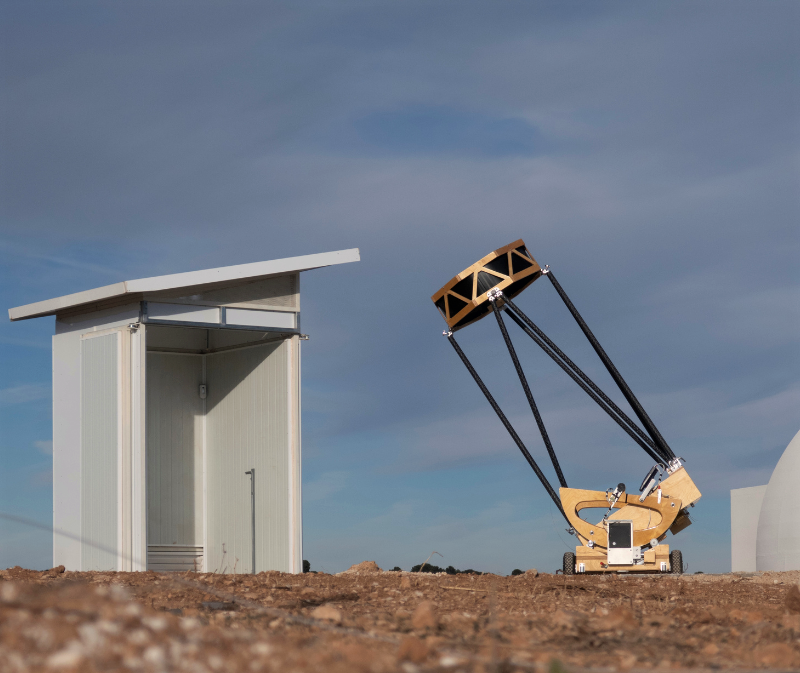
point(524, 381)
point(642, 434)
point(507, 425)
point(660, 443)
point(586, 384)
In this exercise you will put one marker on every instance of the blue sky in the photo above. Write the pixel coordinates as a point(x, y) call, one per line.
point(647, 151)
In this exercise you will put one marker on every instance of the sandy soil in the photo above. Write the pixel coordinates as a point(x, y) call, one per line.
point(368, 620)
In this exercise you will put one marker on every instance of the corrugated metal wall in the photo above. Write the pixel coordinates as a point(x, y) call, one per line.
point(99, 451)
point(174, 449)
point(247, 425)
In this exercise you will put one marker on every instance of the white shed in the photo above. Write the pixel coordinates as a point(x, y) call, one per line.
point(166, 391)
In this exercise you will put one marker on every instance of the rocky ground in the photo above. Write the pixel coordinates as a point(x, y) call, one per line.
point(373, 621)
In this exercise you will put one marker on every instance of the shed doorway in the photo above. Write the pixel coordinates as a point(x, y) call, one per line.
point(175, 417)
point(199, 448)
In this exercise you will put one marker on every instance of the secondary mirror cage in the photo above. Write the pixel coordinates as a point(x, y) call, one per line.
point(490, 285)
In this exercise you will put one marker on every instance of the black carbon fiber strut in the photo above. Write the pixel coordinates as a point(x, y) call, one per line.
point(660, 442)
point(507, 425)
point(650, 452)
point(524, 381)
point(641, 433)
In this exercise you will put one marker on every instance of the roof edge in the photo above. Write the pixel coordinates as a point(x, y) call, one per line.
point(46, 307)
point(185, 280)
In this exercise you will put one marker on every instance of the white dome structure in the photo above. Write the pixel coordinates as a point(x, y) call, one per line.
point(778, 537)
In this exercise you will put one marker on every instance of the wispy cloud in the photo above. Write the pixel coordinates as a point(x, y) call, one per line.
point(69, 262)
point(324, 486)
point(45, 446)
point(435, 130)
point(23, 394)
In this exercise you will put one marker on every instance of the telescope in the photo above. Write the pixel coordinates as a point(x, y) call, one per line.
point(630, 536)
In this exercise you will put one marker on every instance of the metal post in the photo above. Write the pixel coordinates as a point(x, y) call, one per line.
point(660, 442)
point(252, 473)
point(507, 425)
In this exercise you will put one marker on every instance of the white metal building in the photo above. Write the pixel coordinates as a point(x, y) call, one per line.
point(765, 528)
point(166, 391)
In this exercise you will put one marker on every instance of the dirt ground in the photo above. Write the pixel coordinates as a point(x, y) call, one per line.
point(373, 621)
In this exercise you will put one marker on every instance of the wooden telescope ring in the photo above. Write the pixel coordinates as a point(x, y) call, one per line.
point(462, 300)
point(574, 500)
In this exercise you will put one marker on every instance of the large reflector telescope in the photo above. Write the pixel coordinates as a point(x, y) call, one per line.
point(490, 286)
point(463, 299)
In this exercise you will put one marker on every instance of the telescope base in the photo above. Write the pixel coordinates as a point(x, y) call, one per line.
point(587, 560)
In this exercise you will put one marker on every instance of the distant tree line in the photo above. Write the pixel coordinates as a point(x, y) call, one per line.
point(450, 570)
point(428, 568)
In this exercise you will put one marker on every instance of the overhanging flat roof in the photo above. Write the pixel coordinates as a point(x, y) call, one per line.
point(224, 275)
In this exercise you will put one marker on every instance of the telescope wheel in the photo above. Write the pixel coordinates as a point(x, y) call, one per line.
point(676, 562)
point(569, 563)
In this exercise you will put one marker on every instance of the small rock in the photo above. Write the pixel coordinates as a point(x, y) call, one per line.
point(364, 567)
point(91, 637)
point(710, 650)
point(413, 649)
point(119, 593)
point(621, 618)
point(792, 601)
point(9, 592)
point(449, 661)
point(261, 649)
point(132, 610)
point(154, 655)
point(424, 616)
point(155, 623)
point(70, 657)
point(531, 573)
point(405, 583)
point(53, 572)
point(327, 613)
point(779, 655)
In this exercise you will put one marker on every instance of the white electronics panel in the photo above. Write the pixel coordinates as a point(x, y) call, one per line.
point(620, 542)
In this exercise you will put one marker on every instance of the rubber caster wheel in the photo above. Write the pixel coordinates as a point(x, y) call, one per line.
point(569, 563)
